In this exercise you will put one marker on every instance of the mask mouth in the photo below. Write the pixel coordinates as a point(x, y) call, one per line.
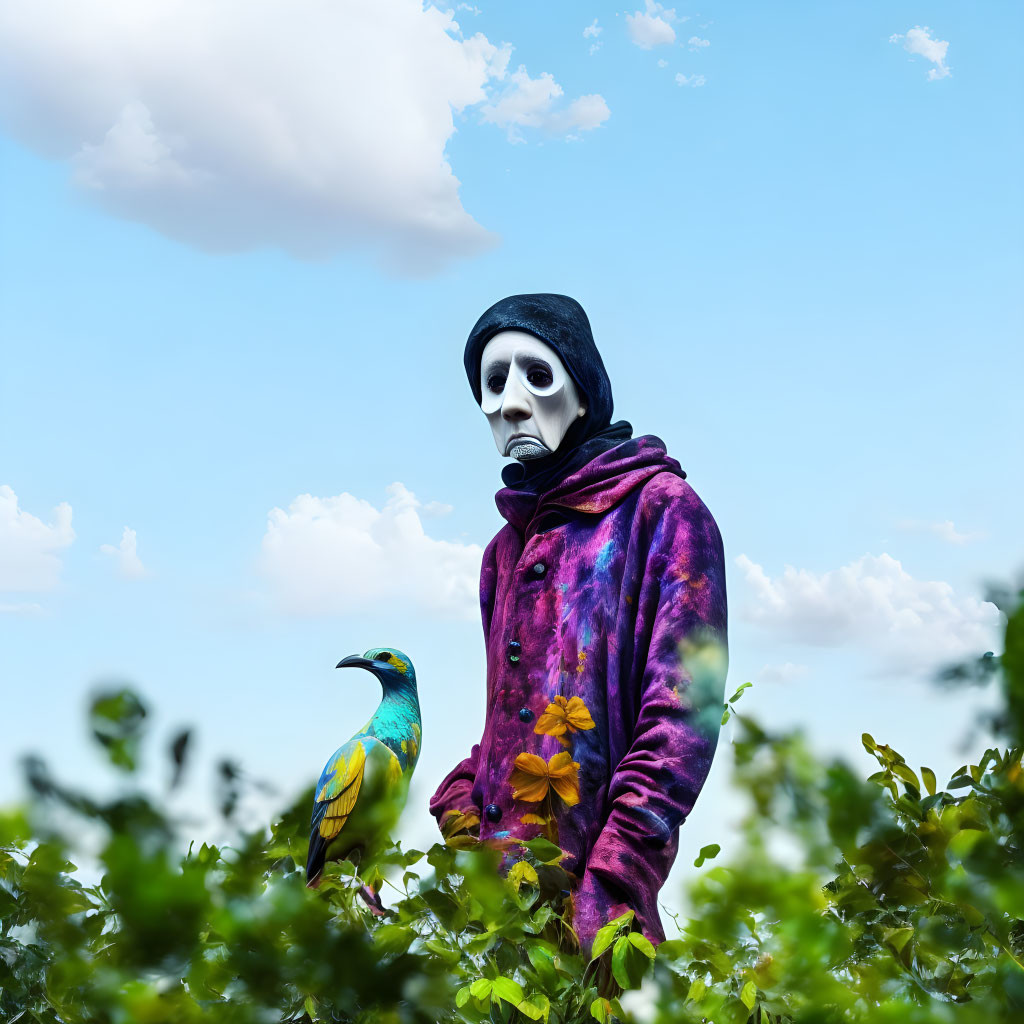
point(526, 446)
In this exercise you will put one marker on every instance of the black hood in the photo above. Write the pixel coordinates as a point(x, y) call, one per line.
point(560, 322)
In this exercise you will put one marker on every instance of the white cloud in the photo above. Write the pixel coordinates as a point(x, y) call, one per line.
point(651, 27)
point(531, 103)
point(693, 81)
point(918, 42)
point(873, 605)
point(311, 125)
point(338, 555)
point(944, 530)
point(436, 509)
point(26, 608)
point(29, 548)
point(662, 63)
point(782, 674)
point(593, 30)
point(126, 556)
point(696, 43)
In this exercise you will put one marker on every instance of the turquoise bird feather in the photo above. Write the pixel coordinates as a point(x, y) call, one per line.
point(363, 786)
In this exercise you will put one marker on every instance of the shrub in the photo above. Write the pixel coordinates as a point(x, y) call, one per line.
point(896, 901)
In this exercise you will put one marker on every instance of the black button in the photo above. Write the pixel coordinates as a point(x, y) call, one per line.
point(525, 715)
point(515, 649)
point(492, 812)
point(539, 568)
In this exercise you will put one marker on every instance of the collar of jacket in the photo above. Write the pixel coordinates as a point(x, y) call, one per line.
point(592, 489)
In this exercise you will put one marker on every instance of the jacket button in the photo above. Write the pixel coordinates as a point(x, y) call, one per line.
point(538, 569)
point(492, 812)
point(525, 715)
point(515, 649)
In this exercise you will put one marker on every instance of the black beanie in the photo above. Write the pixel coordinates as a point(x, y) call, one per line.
point(561, 323)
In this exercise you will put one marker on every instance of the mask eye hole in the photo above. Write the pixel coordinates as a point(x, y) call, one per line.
point(539, 375)
point(496, 382)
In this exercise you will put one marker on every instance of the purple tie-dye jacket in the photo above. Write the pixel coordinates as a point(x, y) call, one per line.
point(601, 581)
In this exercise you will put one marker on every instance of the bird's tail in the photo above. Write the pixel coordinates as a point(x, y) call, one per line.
point(315, 860)
point(372, 900)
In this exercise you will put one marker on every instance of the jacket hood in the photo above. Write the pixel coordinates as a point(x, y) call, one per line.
point(593, 488)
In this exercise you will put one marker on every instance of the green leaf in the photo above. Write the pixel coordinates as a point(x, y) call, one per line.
point(541, 918)
point(600, 1010)
point(671, 949)
point(462, 996)
point(542, 1003)
point(544, 850)
point(393, 938)
point(481, 988)
point(869, 742)
point(963, 842)
point(929, 780)
point(905, 773)
point(522, 871)
point(697, 990)
point(736, 696)
point(748, 995)
point(643, 944)
point(450, 955)
point(543, 964)
point(725, 715)
point(606, 933)
point(897, 937)
point(707, 853)
point(527, 1009)
point(628, 964)
point(482, 942)
point(116, 718)
point(715, 956)
point(507, 989)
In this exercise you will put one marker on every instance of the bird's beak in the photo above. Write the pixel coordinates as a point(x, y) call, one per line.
point(355, 661)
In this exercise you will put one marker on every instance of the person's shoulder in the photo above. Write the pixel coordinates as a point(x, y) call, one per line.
point(667, 498)
point(668, 492)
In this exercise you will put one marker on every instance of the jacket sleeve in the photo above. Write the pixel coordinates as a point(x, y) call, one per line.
point(678, 678)
point(454, 794)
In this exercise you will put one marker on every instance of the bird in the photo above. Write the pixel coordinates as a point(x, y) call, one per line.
point(363, 786)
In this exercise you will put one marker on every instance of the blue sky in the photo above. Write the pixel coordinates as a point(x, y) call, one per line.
point(239, 259)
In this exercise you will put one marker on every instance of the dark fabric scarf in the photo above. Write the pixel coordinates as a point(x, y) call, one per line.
point(560, 322)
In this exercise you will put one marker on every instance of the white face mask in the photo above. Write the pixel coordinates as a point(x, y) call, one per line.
point(527, 395)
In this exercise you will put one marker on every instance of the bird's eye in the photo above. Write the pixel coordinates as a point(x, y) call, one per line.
point(384, 656)
point(496, 382)
point(539, 376)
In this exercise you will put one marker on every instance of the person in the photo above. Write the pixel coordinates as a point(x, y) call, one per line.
point(604, 614)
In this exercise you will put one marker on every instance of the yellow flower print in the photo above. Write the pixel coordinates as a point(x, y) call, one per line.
point(533, 819)
point(562, 716)
point(533, 777)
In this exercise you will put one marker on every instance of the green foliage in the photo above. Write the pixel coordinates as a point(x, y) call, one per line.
point(850, 900)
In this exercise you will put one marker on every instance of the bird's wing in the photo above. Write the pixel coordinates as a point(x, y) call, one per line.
point(338, 789)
